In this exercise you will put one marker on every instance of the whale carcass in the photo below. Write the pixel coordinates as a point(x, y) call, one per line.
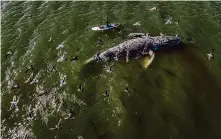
point(136, 47)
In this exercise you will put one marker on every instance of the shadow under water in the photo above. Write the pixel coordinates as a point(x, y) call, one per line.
point(184, 105)
point(88, 75)
point(90, 69)
point(171, 99)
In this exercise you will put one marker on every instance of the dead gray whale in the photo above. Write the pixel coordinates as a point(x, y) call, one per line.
point(136, 47)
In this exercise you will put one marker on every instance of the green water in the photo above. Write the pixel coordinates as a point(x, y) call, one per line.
point(177, 97)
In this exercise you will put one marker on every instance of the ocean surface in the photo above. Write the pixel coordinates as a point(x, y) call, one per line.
point(177, 97)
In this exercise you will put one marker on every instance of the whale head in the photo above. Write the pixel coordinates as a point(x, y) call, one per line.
point(172, 40)
point(165, 42)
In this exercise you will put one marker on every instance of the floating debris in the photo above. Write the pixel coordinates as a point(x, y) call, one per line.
point(136, 24)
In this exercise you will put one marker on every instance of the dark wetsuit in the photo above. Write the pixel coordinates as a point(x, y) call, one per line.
point(107, 21)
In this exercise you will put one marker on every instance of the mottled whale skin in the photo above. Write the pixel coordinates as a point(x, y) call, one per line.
point(136, 47)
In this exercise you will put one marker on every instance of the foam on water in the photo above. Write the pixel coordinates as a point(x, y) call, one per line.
point(49, 101)
point(37, 77)
point(62, 58)
point(21, 19)
point(60, 46)
point(29, 78)
point(50, 68)
point(10, 76)
point(39, 89)
point(30, 50)
point(62, 79)
point(136, 24)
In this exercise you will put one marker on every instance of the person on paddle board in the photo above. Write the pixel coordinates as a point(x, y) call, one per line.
point(106, 21)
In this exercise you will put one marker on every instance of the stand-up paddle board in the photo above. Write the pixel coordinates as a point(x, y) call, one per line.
point(105, 27)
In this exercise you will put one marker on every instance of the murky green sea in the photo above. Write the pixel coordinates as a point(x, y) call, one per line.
point(177, 97)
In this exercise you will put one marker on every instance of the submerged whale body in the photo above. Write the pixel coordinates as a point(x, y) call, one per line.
point(136, 47)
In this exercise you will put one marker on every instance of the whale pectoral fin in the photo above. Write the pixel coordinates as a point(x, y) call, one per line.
point(147, 60)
